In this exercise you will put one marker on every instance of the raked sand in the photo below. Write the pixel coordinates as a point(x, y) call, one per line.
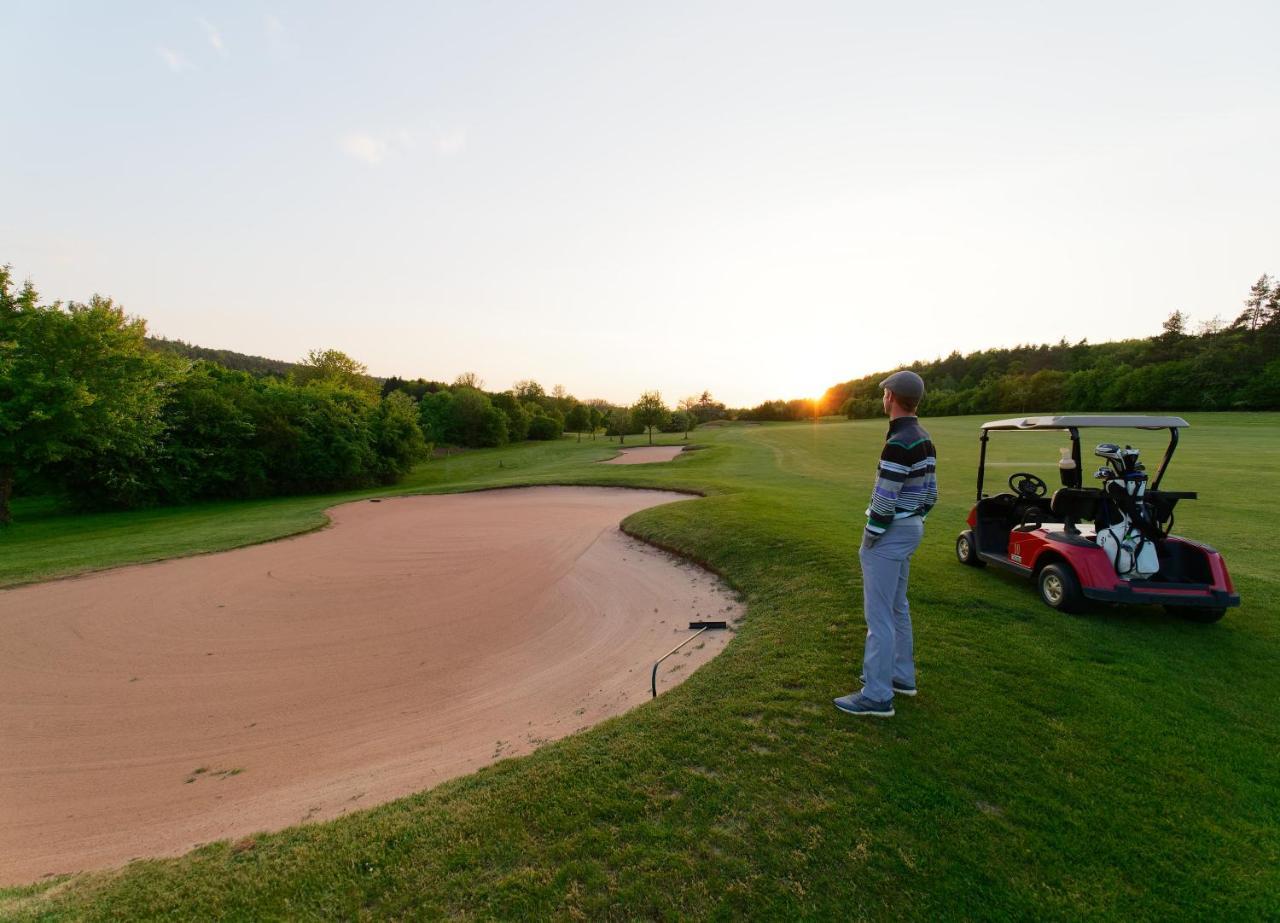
point(644, 455)
point(148, 709)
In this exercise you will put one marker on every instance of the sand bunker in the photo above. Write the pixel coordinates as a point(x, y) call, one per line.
point(644, 455)
point(149, 709)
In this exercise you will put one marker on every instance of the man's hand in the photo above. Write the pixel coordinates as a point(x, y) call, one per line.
point(869, 540)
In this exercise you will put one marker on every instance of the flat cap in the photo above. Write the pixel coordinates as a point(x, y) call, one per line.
point(905, 384)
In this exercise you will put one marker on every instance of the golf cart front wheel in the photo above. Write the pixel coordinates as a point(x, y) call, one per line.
point(1202, 614)
point(967, 550)
point(1059, 588)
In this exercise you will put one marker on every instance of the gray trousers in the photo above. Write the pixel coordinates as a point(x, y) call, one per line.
point(885, 569)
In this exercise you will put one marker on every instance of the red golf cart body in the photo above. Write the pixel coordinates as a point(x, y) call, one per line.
point(1052, 538)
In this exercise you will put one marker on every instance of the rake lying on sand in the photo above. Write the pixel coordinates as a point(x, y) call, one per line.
point(701, 626)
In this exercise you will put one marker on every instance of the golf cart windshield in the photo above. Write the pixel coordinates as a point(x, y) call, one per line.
point(1072, 424)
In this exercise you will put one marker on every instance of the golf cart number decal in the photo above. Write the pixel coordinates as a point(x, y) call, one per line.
point(1017, 554)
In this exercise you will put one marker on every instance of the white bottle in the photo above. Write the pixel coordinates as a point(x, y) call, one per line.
point(1067, 469)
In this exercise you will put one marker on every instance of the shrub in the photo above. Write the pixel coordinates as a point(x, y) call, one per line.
point(545, 426)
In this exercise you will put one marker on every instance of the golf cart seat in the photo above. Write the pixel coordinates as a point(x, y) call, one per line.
point(1007, 512)
point(1075, 504)
point(1162, 502)
point(1030, 513)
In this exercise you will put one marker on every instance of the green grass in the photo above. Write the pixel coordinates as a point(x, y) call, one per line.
point(1119, 764)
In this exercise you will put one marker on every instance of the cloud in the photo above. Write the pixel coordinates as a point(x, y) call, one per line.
point(215, 37)
point(451, 143)
point(365, 147)
point(175, 61)
point(374, 149)
point(273, 25)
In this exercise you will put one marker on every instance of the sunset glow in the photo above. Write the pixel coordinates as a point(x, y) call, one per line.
point(760, 202)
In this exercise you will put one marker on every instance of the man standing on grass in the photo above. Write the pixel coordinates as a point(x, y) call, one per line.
point(906, 489)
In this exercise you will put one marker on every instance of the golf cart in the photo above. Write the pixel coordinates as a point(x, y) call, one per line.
point(1111, 542)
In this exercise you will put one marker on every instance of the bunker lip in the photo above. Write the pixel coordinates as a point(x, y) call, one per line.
point(148, 709)
point(644, 455)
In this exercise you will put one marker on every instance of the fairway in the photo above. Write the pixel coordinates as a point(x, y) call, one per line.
point(1117, 764)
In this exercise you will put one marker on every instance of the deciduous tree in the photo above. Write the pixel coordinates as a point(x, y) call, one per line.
point(475, 421)
point(650, 411)
point(709, 408)
point(528, 390)
point(335, 367)
point(577, 419)
point(397, 438)
point(517, 416)
point(79, 392)
point(689, 407)
point(435, 416)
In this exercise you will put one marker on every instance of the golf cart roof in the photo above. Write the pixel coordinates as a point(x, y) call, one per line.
point(1133, 422)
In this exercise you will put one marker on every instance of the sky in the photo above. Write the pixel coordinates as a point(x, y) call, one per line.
point(755, 199)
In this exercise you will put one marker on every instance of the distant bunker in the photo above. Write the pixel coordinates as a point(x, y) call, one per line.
point(644, 455)
point(149, 709)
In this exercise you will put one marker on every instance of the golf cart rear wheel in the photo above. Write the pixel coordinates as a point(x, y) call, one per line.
point(967, 550)
point(1204, 615)
point(1059, 588)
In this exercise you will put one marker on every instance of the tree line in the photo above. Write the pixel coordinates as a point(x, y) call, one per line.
point(1218, 366)
point(228, 358)
point(1233, 366)
point(95, 411)
point(464, 414)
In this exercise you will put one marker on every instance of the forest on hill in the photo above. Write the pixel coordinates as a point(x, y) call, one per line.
point(1233, 366)
point(227, 358)
point(1219, 366)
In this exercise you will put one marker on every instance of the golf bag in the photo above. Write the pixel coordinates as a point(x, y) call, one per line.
point(1125, 530)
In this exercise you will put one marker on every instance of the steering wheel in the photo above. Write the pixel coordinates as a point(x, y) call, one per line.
point(1027, 485)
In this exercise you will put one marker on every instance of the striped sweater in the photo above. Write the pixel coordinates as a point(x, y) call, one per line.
point(906, 483)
